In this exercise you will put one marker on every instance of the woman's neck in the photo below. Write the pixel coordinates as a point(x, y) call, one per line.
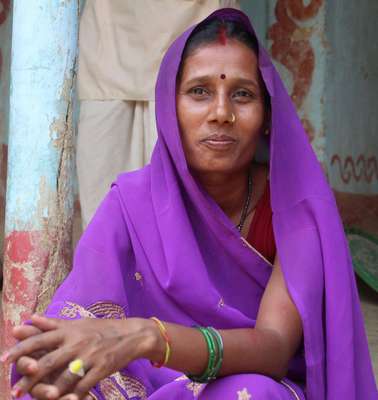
point(229, 191)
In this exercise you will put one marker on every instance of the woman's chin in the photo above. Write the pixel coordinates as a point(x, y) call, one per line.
point(216, 168)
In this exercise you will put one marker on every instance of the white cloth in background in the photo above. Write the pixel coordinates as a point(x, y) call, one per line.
point(121, 45)
point(114, 136)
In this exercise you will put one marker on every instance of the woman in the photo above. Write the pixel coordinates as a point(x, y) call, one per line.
point(189, 241)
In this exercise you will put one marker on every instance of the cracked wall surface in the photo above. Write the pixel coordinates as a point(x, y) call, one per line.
point(40, 177)
point(5, 36)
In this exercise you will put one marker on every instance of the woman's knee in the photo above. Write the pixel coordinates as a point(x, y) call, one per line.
point(247, 387)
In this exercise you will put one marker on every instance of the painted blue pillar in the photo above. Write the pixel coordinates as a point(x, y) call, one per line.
point(5, 36)
point(39, 197)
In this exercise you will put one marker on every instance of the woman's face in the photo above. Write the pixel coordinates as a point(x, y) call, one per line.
point(218, 81)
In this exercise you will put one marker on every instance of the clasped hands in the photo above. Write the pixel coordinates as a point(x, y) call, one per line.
point(47, 346)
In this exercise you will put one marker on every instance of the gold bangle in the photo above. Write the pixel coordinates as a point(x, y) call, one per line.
point(164, 333)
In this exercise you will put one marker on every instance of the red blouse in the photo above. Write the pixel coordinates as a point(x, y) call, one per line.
point(260, 234)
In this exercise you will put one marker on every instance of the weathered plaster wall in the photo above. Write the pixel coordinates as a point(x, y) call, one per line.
point(327, 55)
point(297, 45)
point(351, 111)
point(257, 11)
point(293, 32)
point(352, 96)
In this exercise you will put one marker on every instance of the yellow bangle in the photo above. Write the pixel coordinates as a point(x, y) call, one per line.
point(164, 333)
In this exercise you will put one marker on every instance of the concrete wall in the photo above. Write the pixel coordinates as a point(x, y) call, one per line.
point(327, 55)
point(351, 110)
point(258, 12)
point(293, 32)
point(352, 96)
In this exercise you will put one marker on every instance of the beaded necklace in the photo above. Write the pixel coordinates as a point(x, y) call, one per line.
point(247, 203)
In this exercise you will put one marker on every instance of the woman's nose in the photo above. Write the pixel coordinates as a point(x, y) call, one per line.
point(221, 110)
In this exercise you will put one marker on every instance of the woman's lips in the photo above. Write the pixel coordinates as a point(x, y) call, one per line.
point(219, 141)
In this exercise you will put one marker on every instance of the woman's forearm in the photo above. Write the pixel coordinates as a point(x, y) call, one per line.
point(105, 346)
point(245, 350)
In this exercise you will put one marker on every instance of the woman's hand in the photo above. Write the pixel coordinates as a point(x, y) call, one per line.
point(104, 345)
point(29, 363)
point(26, 365)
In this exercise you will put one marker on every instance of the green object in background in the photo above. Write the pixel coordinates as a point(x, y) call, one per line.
point(364, 249)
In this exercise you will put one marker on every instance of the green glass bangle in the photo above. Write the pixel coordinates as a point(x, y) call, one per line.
point(215, 360)
point(207, 376)
point(216, 364)
point(219, 341)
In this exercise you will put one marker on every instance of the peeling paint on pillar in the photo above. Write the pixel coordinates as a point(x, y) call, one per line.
point(5, 34)
point(39, 207)
point(299, 49)
point(3, 183)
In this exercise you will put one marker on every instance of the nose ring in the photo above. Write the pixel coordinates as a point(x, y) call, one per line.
point(233, 118)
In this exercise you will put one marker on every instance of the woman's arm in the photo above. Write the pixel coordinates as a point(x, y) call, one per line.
point(267, 349)
point(107, 346)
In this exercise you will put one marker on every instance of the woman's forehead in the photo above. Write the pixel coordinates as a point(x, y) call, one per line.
point(233, 59)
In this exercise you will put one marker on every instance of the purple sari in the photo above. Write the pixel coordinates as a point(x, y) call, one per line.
point(158, 245)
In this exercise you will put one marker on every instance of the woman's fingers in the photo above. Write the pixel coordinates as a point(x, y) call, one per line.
point(22, 332)
point(73, 396)
point(94, 372)
point(43, 391)
point(38, 325)
point(90, 379)
point(46, 366)
point(70, 396)
point(50, 392)
point(45, 323)
point(100, 344)
point(26, 366)
point(68, 382)
point(42, 341)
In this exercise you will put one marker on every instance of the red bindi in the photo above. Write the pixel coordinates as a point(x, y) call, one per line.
point(222, 35)
point(223, 76)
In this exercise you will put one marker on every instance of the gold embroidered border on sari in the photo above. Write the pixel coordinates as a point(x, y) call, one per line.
point(97, 310)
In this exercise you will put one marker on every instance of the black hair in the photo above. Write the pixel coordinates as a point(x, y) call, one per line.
point(213, 30)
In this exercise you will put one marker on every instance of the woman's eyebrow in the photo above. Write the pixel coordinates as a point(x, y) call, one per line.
point(247, 82)
point(199, 79)
point(207, 78)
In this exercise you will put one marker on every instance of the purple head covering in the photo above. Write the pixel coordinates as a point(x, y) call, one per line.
point(159, 245)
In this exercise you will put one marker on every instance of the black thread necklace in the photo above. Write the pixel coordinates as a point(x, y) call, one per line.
point(247, 202)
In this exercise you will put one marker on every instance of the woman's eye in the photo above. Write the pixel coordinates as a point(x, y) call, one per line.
point(198, 91)
point(243, 94)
